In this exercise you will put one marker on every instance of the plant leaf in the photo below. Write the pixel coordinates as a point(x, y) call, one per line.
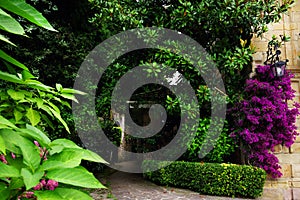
point(73, 194)
point(31, 155)
point(92, 156)
point(37, 85)
point(75, 176)
point(21, 8)
point(11, 60)
point(15, 95)
point(10, 77)
point(48, 195)
point(4, 39)
point(58, 116)
point(65, 143)
point(69, 96)
point(33, 116)
point(6, 122)
point(65, 159)
point(18, 115)
point(8, 171)
point(31, 180)
point(72, 91)
point(26, 75)
point(62, 194)
point(58, 87)
point(35, 134)
point(9, 24)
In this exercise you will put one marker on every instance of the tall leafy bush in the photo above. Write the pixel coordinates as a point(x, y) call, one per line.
point(31, 165)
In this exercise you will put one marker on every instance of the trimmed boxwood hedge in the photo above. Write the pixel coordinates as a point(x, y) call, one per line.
point(208, 178)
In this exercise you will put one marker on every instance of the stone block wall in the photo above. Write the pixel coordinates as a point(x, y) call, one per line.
point(287, 187)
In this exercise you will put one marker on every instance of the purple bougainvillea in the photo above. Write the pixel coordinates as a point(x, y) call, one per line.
point(263, 119)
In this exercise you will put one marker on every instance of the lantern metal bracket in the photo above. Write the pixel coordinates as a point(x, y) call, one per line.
point(273, 56)
point(273, 51)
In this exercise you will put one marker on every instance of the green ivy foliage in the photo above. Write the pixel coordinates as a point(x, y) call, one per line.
point(208, 178)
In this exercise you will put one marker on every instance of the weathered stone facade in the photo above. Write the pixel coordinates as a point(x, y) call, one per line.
point(287, 187)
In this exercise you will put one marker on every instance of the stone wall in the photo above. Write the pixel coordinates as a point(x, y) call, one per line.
point(287, 187)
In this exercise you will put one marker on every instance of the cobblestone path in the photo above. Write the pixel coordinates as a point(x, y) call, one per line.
point(126, 186)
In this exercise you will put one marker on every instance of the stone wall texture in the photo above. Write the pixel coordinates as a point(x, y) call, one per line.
point(287, 187)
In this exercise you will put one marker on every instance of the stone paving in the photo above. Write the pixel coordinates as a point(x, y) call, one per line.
point(126, 186)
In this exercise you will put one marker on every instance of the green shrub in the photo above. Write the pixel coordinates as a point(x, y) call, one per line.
point(223, 147)
point(209, 178)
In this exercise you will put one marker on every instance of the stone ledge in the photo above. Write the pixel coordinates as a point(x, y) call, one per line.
point(277, 194)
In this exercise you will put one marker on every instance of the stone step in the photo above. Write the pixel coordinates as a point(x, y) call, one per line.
point(280, 194)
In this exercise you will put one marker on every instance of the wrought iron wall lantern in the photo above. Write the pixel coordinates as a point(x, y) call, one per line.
point(277, 66)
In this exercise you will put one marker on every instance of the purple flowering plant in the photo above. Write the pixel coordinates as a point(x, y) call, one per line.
point(264, 118)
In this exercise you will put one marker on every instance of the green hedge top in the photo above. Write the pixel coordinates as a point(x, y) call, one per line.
point(209, 178)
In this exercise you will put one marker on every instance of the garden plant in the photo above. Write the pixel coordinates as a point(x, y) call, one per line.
point(32, 166)
point(225, 30)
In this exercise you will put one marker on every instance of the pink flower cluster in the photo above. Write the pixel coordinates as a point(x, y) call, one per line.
point(3, 159)
point(27, 195)
point(48, 185)
point(43, 184)
point(263, 119)
point(43, 151)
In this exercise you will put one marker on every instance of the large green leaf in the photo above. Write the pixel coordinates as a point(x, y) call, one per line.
point(72, 194)
point(52, 164)
point(62, 194)
point(46, 109)
point(10, 145)
point(69, 96)
point(58, 116)
point(18, 115)
point(30, 179)
point(48, 195)
point(91, 156)
point(72, 91)
point(35, 134)
point(66, 159)
point(21, 8)
point(3, 38)
point(75, 176)
point(9, 24)
point(65, 143)
point(8, 171)
point(59, 145)
point(26, 75)
point(31, 155)
point(10, 77)
point(37, 85)
point(11, 60)
point(7, 123)
point(33, 116)
point(15, 94)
